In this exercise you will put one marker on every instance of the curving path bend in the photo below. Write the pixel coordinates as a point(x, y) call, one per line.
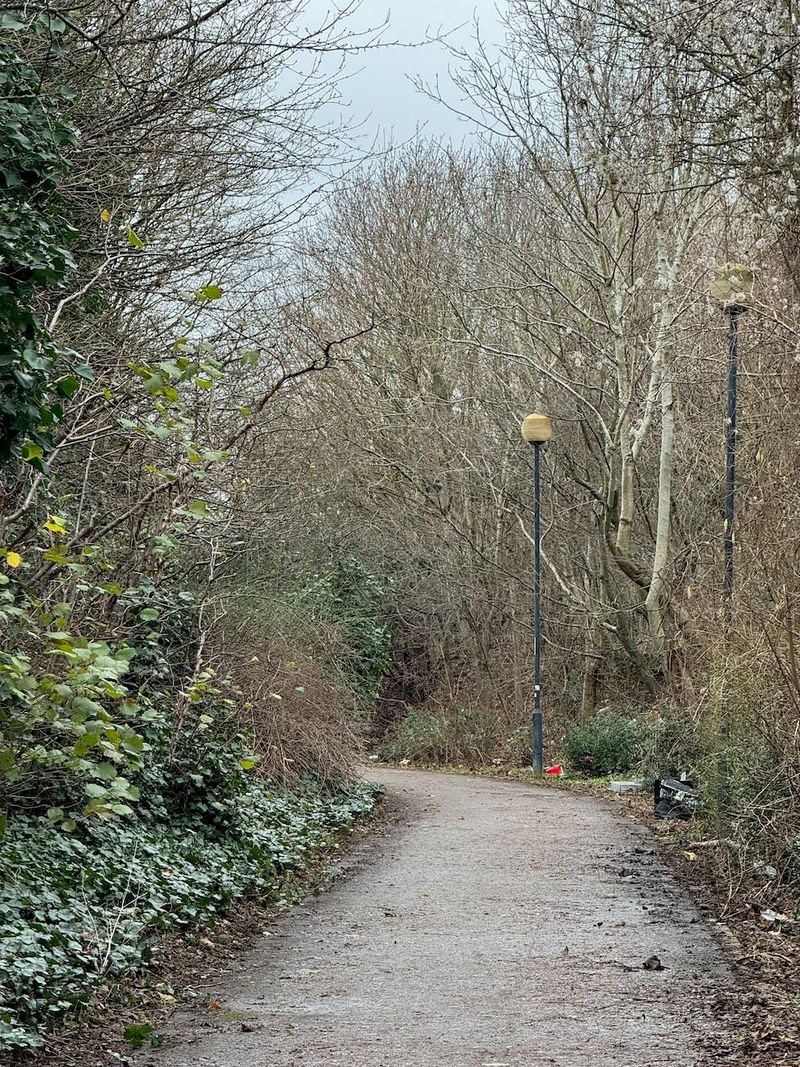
point(492, 925)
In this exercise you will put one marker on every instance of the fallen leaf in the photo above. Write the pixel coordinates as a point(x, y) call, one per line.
point(13, 559)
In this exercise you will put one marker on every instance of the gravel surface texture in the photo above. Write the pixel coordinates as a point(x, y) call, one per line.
point(491, 924)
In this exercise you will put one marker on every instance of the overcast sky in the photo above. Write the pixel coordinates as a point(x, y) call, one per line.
point(379, 89)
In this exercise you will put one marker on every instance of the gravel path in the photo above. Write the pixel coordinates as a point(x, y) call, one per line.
point(491, 924)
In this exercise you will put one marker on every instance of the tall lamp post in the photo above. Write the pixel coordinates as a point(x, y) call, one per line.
point(536, 429)
point(732, 288)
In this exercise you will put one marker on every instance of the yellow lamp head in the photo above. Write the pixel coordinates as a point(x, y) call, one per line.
point(732, 286)
point(537, 428)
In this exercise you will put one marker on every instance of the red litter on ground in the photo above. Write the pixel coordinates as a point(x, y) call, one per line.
point(555, 769)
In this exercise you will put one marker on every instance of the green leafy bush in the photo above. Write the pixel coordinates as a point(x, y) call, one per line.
point(347, 595)
point(35, 376)
point(129, 795)
point(78, 909)
point(607, 744)
point(83, 728)
point(455, 735)
point(70, 729)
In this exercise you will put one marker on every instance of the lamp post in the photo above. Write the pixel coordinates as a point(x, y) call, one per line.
point(732, 289)
point(536, 429)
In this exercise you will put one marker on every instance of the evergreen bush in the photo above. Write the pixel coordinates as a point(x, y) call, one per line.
point(606, 744)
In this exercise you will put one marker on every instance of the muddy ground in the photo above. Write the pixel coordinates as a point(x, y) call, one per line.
point(492, 924)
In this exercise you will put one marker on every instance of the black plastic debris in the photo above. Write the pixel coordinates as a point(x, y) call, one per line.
point(675, 798)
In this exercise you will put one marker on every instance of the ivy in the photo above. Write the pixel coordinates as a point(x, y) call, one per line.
point(35, 378)
point(132, 801)
point(83, 908)
point(352, 598)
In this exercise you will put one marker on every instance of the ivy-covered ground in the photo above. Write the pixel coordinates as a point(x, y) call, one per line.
point(137, 785)
point(79, 910)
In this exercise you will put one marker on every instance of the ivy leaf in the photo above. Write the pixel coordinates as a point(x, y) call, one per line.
point(68, 386)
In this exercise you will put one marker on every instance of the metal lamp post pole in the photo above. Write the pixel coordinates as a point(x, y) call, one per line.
point(536, 429)
point(537, 732)
point(731, 288)
point(730, 444)
point(723, 769)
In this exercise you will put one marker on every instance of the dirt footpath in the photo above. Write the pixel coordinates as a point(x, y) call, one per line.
point(492, 925)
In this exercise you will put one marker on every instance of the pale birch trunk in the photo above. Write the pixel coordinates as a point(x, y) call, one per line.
point(662, 381)
point(655, 592)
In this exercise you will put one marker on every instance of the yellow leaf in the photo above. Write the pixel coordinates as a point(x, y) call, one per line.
point(55, 524)
point(105, 215)
point(13, 559)
point(690, 856)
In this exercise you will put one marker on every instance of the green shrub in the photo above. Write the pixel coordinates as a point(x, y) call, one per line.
point(70, 728)
point(607, 744)
point(129, 799)
point(36, 377)
point(348, 596)
point(457, 735)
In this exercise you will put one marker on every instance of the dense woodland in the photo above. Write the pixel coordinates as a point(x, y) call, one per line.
point(263, 494)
